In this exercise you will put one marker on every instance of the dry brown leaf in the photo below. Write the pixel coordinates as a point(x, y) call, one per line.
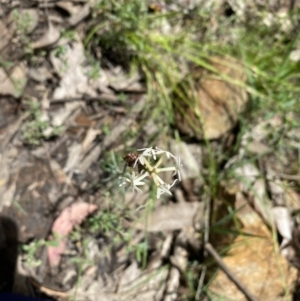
point(13, 82)
point(5, 35)
point(76, 151)
point(74, 155)
point(257, 148)
point(260, 201)
point(70, 67)
point(89, 138)
point(217, 101)
point(191, 167)
point(69, 7)
point(130, 275)
point(179, 260)
point(63, 225)
point(82, 14)
point(170, 217)
point(255, 261)
point(58, 173)
point(120, 81)
point(64, 113)
point(39, 74)
point(283, 222)
point(247, 175)
point(292, 199)
point(101, 83)
point(51, 36)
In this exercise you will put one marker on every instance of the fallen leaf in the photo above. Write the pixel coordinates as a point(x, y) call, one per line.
point(259, 200)
point(170, 217)
point(258, 148)
point(39, 74)
point(89, 138)
point(179, 262)
point(74, 155)
point(283, 221)
point(218, 101)
point(68, 7)
point(191, 166)
point(65, 112)
point(51, 36)
point(255, 261)
point(131, 274)
point(13, 82)
point(82, 14)
point(70, 67)
point(247, 175)
point(120, 81)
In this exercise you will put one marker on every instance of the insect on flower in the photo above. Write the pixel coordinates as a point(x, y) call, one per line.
point(131, 160)
point(148, 165)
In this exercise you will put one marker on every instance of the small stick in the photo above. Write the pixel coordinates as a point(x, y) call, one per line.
point(289, 177)
point(210, 249)
point(103, 98)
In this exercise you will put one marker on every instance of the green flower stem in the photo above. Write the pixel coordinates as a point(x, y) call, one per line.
point(171, 168)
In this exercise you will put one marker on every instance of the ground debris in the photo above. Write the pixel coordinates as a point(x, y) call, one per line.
point(83, 83)
point(171, 217)
point(259, 267)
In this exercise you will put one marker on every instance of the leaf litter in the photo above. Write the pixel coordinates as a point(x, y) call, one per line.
point(133, 252)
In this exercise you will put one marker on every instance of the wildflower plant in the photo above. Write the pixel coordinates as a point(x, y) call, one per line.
point(148, 163)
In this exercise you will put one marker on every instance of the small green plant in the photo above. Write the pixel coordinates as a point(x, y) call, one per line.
point(94, 71)
point(34, 129)
point(122, 97)
point(59, 51)
point(110, 164)
point(5, 63)
point(33, 248)
point(140, 251)
point(106, 129)
point(105, 222)
point(69, 34)
point(125, 17)
point(24, 21)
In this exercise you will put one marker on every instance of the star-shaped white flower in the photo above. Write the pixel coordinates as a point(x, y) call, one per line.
point(164, 188)
point(148, 152)
point(134, 181)
point(178, 166)
point(152, 159)
point(168, 154)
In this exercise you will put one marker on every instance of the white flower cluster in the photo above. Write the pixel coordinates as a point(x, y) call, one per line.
point(145, 159)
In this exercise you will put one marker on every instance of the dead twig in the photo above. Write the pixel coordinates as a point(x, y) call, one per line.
point(210, 249)
point(48, 291)
point(289, 177)
point(103, 98)
point(206, 240)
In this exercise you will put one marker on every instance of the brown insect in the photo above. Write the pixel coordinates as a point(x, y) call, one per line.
point(155, 7)
point(131, 159)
